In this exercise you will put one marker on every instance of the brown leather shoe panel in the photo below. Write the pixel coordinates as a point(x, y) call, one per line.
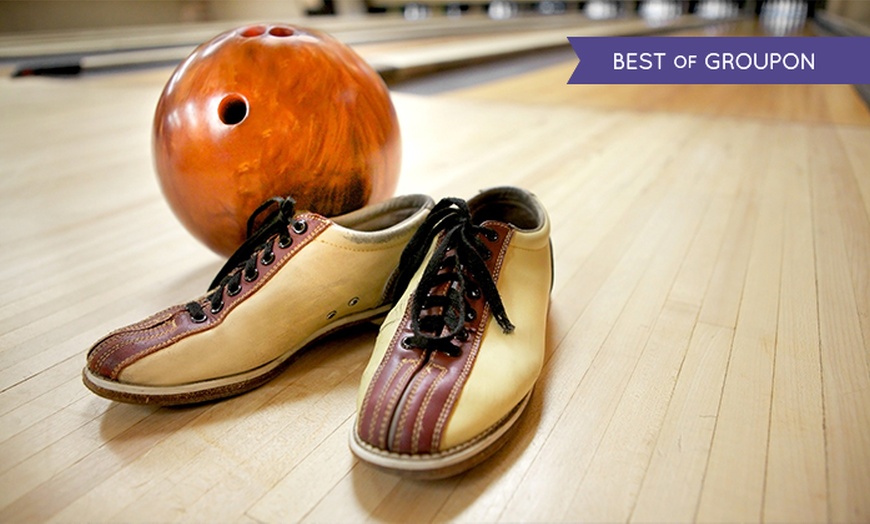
point(388, 382)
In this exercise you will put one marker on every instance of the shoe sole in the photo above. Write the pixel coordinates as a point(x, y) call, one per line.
point(444, 464)
point(223, 387)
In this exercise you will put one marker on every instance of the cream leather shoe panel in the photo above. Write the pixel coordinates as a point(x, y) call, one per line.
point(323, 277)
point(508, 366)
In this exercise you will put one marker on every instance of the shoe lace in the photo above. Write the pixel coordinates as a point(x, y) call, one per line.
point(259, 245)
point(440, 306)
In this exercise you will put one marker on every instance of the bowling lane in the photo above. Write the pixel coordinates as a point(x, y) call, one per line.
point(708, 335)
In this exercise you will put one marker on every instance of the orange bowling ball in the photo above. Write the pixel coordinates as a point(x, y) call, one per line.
point(272, 110)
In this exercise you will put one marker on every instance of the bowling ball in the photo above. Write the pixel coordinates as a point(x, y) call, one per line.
point(272, 110)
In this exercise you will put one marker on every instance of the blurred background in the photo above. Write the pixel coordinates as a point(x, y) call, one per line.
point(21, 16)
point(401, 39)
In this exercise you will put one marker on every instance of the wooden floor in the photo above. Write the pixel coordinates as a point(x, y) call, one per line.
point(709, 336)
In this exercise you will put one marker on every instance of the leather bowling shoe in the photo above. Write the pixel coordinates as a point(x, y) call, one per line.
point(456, 359)
point(298, 277)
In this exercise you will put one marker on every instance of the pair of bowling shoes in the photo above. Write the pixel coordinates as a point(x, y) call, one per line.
point(463, 291)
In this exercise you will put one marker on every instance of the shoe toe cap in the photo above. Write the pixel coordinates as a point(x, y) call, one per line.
point(113, 353)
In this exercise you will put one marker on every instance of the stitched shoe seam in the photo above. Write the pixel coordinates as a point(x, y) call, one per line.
point(403, 416)
point(418, 423)
point(144, 324)
point(447, 452)
point(378, 396)
point(145, 335)
point(394, 399)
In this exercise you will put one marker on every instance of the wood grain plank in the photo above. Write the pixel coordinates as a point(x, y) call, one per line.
point(854, 199)
point(294, 495)
point(716, 261)
point(74, 435)
point(69, 486)
point(854, 143)
point(734, 480)
point(672, 481)
point(631, 435)
point(672, 485)
point(611, 483)
point(795, 489)
point(844, 362)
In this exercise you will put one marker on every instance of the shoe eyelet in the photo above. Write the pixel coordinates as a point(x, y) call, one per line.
point(252, 275)
point(406, 343)
point(199, 319)
point(285, 242)
point(486, 255)
point(300, 226)
point(331, 314)
point(462, 336)
point(470, 315)
point(217, 309)
point(491, 235)
point(234, 290)
point(268, 258)
point(352, 302)
point(473, 292)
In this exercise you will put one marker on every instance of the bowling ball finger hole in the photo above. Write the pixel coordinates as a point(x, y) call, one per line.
point(233, 109)
point(281, 31)
point(256, 30)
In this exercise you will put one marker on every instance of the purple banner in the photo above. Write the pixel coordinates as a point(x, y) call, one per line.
point(721, 60)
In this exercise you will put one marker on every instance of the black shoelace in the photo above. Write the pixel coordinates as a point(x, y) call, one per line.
point(440, 306)
point(259, 245)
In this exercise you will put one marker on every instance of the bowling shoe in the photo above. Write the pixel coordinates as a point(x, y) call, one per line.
point(457, 357)
point(298, 277)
